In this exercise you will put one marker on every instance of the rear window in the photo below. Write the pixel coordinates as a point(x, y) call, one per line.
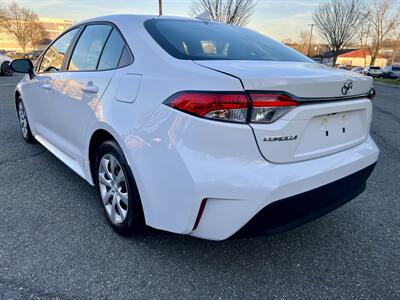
point(395, 68)
point(199, 40)
point(375, 68)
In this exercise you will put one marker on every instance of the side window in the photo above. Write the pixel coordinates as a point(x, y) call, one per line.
point(126, 58)
point(112, 52)
point(89, 47)
point(53, 58)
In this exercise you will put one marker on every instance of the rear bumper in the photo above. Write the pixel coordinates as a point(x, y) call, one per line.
point(293, 211)
point(284, 195)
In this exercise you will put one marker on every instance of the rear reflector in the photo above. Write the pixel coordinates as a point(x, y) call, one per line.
point(200, 214)
point(372, 94)
point(233, 107)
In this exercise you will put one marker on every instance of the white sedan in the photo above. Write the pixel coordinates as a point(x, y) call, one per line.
point(5, 62)
point(198, 127)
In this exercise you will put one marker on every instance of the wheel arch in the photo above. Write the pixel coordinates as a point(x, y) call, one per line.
point(17, 95)
point(97, 138)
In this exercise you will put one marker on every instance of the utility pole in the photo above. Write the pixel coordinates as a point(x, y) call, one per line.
point(160, 7)
point(309, 43)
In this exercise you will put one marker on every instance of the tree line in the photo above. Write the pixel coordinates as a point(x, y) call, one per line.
point(366, 22)
point(340, 22)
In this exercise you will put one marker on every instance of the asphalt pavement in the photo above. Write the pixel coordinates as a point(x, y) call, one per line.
point(56, 244)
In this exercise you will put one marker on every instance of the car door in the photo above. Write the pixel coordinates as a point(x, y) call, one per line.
point(39, 92)
point(91, 66)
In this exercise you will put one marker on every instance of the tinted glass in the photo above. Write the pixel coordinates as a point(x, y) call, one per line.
point(375, 68)
point(126, 58)
point(198, 40)
point(88, 49)
point(395, 68)
point(54, 56)
point(112, 52)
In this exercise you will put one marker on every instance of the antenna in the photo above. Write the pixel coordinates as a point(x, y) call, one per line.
point(204, 16)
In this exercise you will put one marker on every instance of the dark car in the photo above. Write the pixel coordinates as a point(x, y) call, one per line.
point(33, 55)
point(392, 72)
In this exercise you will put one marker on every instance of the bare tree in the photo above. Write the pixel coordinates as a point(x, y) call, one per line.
point(338, 22)
point(304, 38)
point(396, 46)
point(363, 35)
point(17, 21)
point(383, 21)
point(37, 35)
point(2, 14)
point(237, 12)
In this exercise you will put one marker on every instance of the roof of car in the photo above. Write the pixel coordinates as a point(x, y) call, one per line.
point(122, 18)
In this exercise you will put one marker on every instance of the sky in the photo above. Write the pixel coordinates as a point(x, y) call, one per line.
point(279, 19)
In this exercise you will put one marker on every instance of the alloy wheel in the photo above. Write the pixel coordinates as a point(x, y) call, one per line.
point(113, 189)
point(23, 121)
point(6, 70)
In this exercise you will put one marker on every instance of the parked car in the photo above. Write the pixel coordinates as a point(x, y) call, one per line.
point(357, 70)
point(373, 71)
point(344, 67)
point(198, 127)
point(33, 55)
point(391, 72)
point(5, 65)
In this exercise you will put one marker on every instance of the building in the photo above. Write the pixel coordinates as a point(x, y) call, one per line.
point(353, 58)
point(53, 28)
point(360, 58)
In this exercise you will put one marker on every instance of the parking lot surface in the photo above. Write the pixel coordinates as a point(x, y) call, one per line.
point(55, 243)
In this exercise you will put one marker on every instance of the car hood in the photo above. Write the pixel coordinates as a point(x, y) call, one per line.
point(305, 80)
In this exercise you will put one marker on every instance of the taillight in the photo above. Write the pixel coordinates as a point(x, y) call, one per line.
point(269, 107)
point(372, 94)
point(233, 107)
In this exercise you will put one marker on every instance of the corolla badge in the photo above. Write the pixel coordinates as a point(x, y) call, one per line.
point(280, 138)
point(347, 87)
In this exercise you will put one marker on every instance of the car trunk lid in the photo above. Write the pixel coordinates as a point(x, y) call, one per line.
point(325, 121)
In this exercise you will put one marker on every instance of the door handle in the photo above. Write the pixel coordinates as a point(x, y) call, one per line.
point(90, 88)
point(47, 85)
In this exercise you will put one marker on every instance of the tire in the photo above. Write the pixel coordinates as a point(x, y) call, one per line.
point(5, 69)
point(24, 123)
point(118, 196)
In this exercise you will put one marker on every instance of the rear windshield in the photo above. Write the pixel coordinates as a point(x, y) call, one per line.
point(395, 68)
point(200, 40)
point(375, 68)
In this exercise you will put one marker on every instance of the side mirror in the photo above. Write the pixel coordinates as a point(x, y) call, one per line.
point(23, 66)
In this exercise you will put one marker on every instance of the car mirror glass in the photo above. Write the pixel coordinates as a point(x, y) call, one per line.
point(22, 66)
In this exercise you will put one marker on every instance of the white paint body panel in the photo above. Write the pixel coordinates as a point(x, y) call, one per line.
point(177, 159)
point(4, 58)
point(308, 80)
point(321, 129)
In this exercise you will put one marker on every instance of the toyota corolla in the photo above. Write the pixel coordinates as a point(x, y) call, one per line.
point(198, 127)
